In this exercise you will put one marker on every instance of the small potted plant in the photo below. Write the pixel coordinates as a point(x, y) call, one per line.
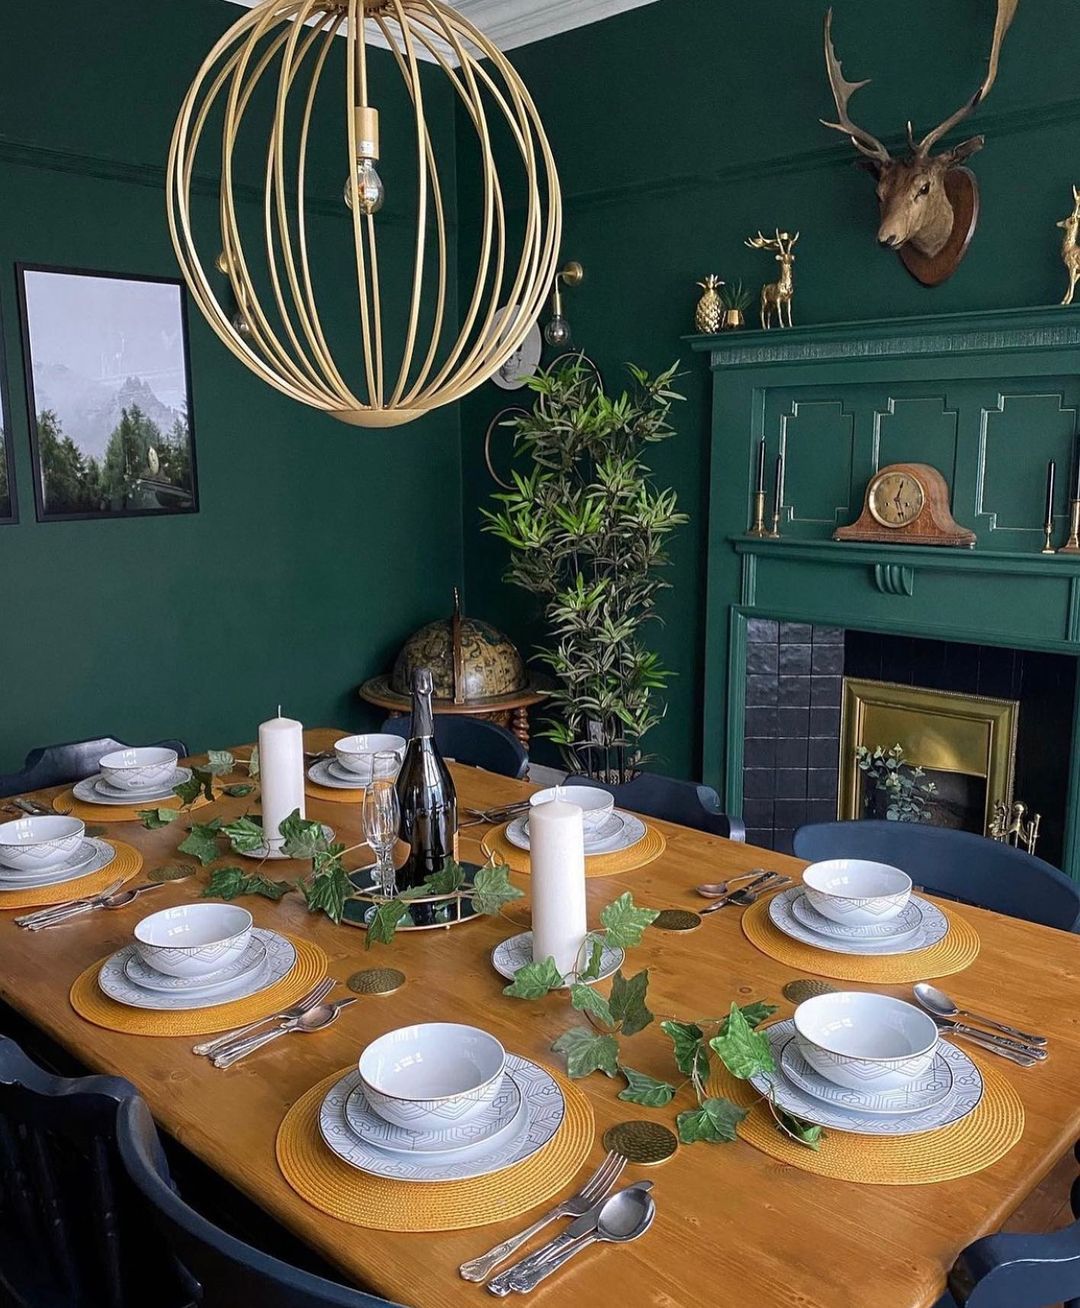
point(735, 301)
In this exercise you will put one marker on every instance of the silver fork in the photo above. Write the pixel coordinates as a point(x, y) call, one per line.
point(314, 996)
point(597, 1187)
point(749, 894)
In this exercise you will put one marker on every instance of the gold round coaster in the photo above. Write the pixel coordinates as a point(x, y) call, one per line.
point(798, 991)
point(641, 1142)
point(676, 919)
point(376, 981)
point(177, 872)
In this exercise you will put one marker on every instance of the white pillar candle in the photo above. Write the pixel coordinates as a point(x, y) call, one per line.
point(281, 775)
point(557, 859)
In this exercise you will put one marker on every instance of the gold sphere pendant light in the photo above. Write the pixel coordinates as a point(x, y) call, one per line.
point(259, 292)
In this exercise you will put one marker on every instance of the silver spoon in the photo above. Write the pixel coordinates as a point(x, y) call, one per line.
point(315, 1019)
point(938, 1002)
point(626, 1216)
point(718, 889)
point(118, 899)
point(751, 893)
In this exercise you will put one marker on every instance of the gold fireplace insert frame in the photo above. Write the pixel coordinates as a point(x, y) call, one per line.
point(949, 732)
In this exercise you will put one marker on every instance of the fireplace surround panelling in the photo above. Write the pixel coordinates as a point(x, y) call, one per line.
point(986, 399)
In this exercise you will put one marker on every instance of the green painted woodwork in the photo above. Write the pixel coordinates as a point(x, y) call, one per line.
point(318, 546)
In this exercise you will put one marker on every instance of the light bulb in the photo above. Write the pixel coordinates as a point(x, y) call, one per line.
point(557, 331)
point(241, 325)
point(369, 188)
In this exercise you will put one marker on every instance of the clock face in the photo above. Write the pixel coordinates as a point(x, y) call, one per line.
point(896, 499)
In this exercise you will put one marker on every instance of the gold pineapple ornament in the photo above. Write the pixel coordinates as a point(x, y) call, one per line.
point(710, 312)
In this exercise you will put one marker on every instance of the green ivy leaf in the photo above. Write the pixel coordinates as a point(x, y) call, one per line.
point(253, 763)
point(755, 1014)
point(628, 1002)
point(534, 980)
point(691, 1054)
point(384, 922)
point(743, 1051)
point(596, 953)
point(327, 890)
point(804, 1133)
point(645, 1090)
point(228, 882)
point(239, 790)
point(715, 1120)
point(189, 790)
point(449, 878)
point(244, 833)
point(303, 837)
point(205, 778)
point(491, 889)
point(586, 1000)
point(624, 922)
point(201, 841)
point(219, 761)
point(587, 1051)
point(153, 818)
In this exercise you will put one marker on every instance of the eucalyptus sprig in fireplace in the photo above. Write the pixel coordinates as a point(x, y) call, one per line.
point(588, 531)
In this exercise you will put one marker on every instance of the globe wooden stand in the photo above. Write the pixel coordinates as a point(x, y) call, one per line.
point(510, 711)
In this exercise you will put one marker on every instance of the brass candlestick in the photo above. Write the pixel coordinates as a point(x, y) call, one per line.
point(1048, 526)
point(778, 498)
point(1072, 545)
point(759, 528)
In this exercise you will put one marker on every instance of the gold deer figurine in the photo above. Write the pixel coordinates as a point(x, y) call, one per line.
point(1070, 250)
point(776, 295)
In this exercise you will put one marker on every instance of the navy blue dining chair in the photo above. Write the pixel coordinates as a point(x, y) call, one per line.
point(685, 802)
point(54, 765)
point(955, 864)
point(473, 741)
point(221, 1271)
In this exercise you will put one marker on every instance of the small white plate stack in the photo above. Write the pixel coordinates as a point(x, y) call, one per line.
point(353, 764)
point(133, 776)
point(196, 956)
point(440, 1102)
point(607, 828)
point(47, 851)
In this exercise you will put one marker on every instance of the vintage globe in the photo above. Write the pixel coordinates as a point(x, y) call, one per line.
point(469, 660)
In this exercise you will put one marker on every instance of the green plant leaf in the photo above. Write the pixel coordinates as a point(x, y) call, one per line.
point(219, 761)
point(153, 818)
point(691, 1053)
point(449, 878)
point(189, 790)
point(627, 1002)
point(596, 953)
point(228, 882)
point(253, 763)
point(534, 980)
point(239, 790)
point(743, 1051)
point(385, 921)
point(645, 1090)
point(491, 889)
point(586, 1000)
point(303, 837)
point(804, 1133)
point(754, 1013)
point(201, 841)
point(715, 1120)
point(205, 778)
point(624, 923)
point(587, 1051)
point(244, 833)
point(327, 890)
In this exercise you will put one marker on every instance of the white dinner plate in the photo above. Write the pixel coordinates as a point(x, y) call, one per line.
point(498, 1118)
point(906, 921)
point(113, 979)
point(101, 855)
point(967, 1090)
point(923, 1092)
point(544, 1111)
point(628, 833)
point(515, 952)
point(95, 790)
point(325, 772)
point(72, 866)
point(141, 974)
point(933, 926)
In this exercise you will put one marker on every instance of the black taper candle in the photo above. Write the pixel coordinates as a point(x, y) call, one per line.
point(1051, 471)
point(778, 489)
point(761, 466)
point(1076, 468)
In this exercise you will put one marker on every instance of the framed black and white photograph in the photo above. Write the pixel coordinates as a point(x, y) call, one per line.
point(108, 387)
point(9, 506)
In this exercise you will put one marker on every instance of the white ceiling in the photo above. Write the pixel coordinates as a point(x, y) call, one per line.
point(511, 23)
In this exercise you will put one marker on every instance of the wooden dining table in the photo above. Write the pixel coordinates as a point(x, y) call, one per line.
point(734, 1227)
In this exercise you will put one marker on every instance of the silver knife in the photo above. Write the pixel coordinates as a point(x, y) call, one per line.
point(583, 1225)
point(737, 896)
point(62, 912)
point(1000, 1044)
point(33, 807)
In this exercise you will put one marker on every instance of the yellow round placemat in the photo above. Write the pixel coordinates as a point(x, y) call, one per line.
point(88, 1001)
point(957, 950)
point(67, 804)
point(975, 1142)
point(127, 862)
point(651, 845)
point(335, 1188)
point(333, 795)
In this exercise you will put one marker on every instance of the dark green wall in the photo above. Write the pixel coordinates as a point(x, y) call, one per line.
point(683, 126)
point(317, 546)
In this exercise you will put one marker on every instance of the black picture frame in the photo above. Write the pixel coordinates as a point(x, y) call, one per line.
point(183, 501)
point(10, 513)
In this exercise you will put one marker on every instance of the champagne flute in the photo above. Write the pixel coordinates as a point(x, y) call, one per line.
point(382, 818)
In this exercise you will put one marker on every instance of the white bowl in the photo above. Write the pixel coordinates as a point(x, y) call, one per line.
point(431, 1076)
point(36, 844)
point(148, 768)
point(864, 1041)
point(356, 753)
point(193, 939)
point(595, 804)
point(856, 892)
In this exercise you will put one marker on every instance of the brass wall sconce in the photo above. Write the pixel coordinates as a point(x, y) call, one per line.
point(557, 328)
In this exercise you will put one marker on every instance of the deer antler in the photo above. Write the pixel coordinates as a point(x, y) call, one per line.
point(1006, 10)
point(843, 90)
point(760, 242)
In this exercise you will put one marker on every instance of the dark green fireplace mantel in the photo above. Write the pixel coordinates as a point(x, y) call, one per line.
point(986, 398)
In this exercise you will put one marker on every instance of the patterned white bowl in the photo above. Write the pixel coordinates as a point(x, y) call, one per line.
point(357, 753)
point(596, 805)
point(431, 1076)
point(36, 844)
point(856, 892)
point(147, 768)
point(865, 1041)
point(193, 940)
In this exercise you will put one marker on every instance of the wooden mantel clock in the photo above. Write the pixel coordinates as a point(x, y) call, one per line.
point(906, 504)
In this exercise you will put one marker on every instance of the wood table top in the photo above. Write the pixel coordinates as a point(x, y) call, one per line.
point(734, 1227)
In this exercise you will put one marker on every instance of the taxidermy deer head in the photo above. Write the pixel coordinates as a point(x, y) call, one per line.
point(929, 203)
